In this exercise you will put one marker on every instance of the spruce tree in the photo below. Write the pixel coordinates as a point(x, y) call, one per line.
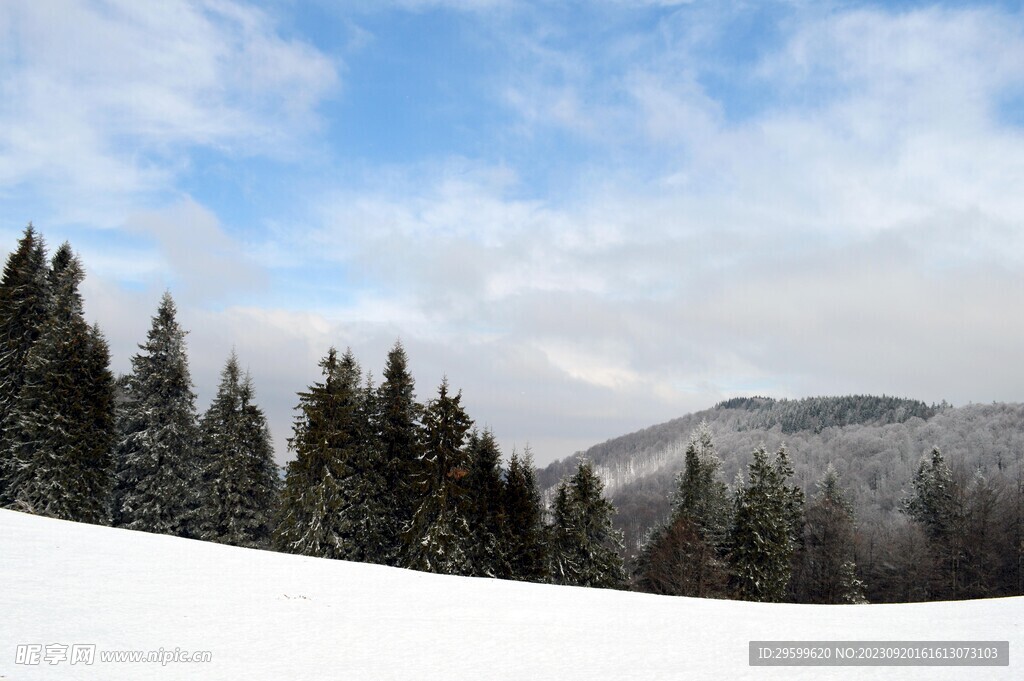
point(937, 503)
point(311, 521)
point(933, 500)
point(524, 517)
point(585, 549)
point(367, 525)
point(487, 515)
point(239, 477)
point(766, 528)
point(701, 495)
point(398, 434)
point(827, 572)
point(61, 426)
point(439, 538)
point(24, 305)
point(685, 557)
point(158, 477)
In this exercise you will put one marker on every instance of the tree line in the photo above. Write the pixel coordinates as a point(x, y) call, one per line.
point(376, 476)
point(762, 539)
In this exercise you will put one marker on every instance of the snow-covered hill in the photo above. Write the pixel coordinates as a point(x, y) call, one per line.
point(876, 457)
point(265, 615)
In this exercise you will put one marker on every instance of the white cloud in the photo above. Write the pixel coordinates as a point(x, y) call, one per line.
point(102, 99)
point(858, 232)
point(201, 262)
point(870, 242)
point(376, 6)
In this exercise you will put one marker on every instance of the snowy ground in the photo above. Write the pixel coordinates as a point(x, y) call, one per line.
point(264, 615)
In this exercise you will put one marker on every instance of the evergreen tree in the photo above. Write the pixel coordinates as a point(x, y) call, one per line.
point(367, 524)
point(702, 496)
point(61, 426)
point(325, 435)
point(239, 486)
point(439, 538)
point(24, 305)
point(937, 503)
point(933, 500)
point(685, 557)
point(158, 477)
point(766, 529)
point(397, 431)
point(524, 513)
point(487, 516)
point(585, 549)
point(827, 572)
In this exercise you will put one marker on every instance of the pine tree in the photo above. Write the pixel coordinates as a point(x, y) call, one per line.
point(24, 305)
point(239, 477)
point(487, 515)
point(158, 481)
point(311, 521)
point(766, 529)
point(827, 572)
point(585, 549)
point(685, 557)
point(702, 496)
point(367, 524)
point(524, 512)
point(439, 536)
point(61, 426)
point(398, 434)
point(933, 500)
point(937, 503)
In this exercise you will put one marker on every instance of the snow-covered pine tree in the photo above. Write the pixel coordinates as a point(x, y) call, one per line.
point(524, 512)
point(766, 528)
point(311, 520)
point(367, 524)
point(439, 536)
point(585, 549)
point(827, 572)
point(62, 422)
point(702, 495)
point(24, 295)
point(487, 516)
point(933, 502)
point(158, 476)
point(398, 432)
point(937, 503)
point(685, 557)
point(239, 476)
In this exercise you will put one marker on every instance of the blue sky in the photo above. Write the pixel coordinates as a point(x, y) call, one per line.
point(591, 216)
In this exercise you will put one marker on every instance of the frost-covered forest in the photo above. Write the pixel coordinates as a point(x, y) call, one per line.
point(876, 447)
point(827, 500)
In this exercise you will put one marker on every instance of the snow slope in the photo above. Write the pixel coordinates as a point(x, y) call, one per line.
point(265, 615)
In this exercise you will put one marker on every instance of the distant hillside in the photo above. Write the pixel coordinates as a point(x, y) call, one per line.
point(818, 413)
point(875, 443)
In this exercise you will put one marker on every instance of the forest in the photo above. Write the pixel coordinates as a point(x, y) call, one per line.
point(379, 476)
point(876, 446)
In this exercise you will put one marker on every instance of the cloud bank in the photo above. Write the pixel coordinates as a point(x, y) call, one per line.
point(654, 219)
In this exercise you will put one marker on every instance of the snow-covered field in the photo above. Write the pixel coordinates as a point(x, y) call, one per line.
point(265, 615)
